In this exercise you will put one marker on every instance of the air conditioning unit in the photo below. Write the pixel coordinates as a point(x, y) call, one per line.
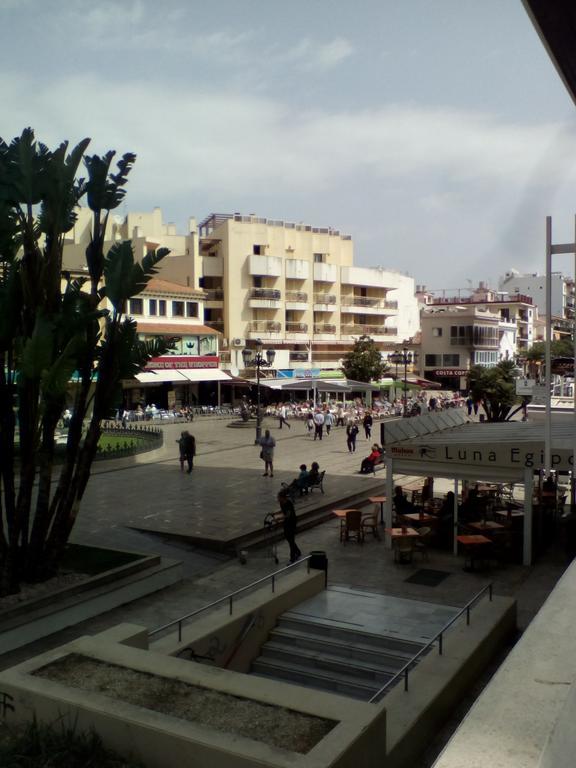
point(238, 342)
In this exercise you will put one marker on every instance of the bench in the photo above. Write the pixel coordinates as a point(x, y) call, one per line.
point(317, 483)
point(294, 491)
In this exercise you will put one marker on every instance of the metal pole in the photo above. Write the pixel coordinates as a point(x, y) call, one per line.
point(258, 362)
point(572, 500)
point(548, 354)
point(405, 353)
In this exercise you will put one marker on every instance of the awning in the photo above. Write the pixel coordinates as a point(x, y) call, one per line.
point(182, 375)
point(204, 374)
point(159, 377)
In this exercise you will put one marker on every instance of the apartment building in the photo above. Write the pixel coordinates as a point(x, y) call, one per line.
point(534, 285)
point(454, 338)
point(297, 289)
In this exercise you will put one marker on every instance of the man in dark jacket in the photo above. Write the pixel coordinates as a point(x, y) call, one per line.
point(289, 513)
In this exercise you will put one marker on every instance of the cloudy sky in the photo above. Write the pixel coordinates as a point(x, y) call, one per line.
point(435, 132)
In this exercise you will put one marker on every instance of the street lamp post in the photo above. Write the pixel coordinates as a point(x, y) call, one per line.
point(404, 358)
point(258, 361)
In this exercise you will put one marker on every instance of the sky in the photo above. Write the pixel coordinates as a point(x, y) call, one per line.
point(436, 133)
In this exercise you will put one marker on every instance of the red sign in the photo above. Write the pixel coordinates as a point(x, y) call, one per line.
point(182, 361)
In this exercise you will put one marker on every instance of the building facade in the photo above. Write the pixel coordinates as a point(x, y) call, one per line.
point(534, 285)
point(297, 289)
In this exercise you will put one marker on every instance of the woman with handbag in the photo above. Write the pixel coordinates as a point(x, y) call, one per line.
point(267, 445)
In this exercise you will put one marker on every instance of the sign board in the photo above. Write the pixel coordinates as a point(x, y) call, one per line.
point(170, 362)
point(521, 456)
point(539, 394)
point(445, 372)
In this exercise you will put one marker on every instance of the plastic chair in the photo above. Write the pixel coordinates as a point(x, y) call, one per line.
point(351, 527)
point(370, 523)
point(403, 549)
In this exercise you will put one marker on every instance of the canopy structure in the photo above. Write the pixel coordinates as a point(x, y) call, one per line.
point(446, 445)
point(182, 375)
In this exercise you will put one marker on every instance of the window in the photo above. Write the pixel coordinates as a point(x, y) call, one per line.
point(431, 361)
point(152, 307)
point(191, 309)
point(437, 332)
point(177, 309)
point(451, 360)
point(257, 250)
point(319, 258)
point(257, 282)
point(136, 306)
point(162, 307)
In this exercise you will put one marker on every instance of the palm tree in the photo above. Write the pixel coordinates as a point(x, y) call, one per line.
point(53, 327)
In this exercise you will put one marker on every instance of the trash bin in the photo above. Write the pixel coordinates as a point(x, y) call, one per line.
point(319, 562)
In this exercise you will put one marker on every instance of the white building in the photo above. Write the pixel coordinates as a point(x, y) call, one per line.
point(534, 285)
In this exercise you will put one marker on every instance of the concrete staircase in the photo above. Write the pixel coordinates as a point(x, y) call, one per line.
point(332, 657)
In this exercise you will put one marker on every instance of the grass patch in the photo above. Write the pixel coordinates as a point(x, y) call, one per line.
point(93, 560)
point(36, 745)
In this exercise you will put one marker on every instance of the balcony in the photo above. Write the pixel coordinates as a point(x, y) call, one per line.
point(270, 266)
point(467, 341)
point(368, 330)
point(368, 305)
point(214, 294)
point(292, 328)
point(325, 273)
point(321, 328)
point(264, 298)
point(225, 357)
point(296, 269)
point(370, 277)
point(324, 299)
point(212, 266)
point(299, 296)
point(265, 329)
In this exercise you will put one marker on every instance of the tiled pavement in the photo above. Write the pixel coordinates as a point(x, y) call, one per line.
point(226, 491)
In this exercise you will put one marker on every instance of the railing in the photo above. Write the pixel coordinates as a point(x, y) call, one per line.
point(366, 301)
point(264, 293)
point(324, 298)
point(267, 326)
point(218, 325)
point(297, 296)
point(225, 356)
point(439, 636)
point(298, 357)
point(229, 598)
point(376, 330)
point(324, 328)
point(296, 327)
point(214, 294)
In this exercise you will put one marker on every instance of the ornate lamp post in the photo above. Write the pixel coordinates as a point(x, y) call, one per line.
point(258, 361)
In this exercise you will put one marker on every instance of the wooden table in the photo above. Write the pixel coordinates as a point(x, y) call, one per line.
point(486, 525)
point(513, 513)
point(401, 533)
point(421, 517)
point(379, 500)
point(474, 545)
point(341, 513)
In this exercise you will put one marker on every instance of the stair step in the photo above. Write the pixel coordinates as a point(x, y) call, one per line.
point(380, 656)
point(317, 661)
point(319, 679)
point(409, 648)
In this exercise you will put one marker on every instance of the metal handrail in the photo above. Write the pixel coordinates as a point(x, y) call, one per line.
point(229, 598)
point(403, 672)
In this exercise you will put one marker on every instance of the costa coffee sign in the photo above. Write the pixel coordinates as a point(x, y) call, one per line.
point(181, 361)
point(444, 372)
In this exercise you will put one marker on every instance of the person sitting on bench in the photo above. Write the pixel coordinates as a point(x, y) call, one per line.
point(370, 461)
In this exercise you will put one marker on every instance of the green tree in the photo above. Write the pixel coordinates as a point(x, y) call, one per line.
point(364, 361)
point(558, 348)
point(495, 389)
point(51, 327)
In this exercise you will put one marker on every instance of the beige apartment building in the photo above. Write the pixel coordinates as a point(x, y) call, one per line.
point(297, 289)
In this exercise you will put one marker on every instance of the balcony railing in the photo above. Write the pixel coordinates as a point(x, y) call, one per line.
point(467, 341)
point(296, 327)
point(218, 325)
point(296, 296)
point(324, 298)
point(298, 357)
point(265, 326)
point(264, 293)
point(225, 356)
point(324, 328)
point(214, 294)
point(367, 301)
point(368, 330)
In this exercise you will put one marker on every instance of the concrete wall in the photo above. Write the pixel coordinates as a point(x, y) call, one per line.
point(218, 634)
point(525, 716)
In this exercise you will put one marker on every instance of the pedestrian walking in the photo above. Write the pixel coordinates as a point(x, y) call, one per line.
point(351, 433)
point(340, 416)
point(267, 445)
point(187, 446)
point(328, 421)
point(367, 424)
point(282, 413)
point(287, 509)
point(318, 425)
